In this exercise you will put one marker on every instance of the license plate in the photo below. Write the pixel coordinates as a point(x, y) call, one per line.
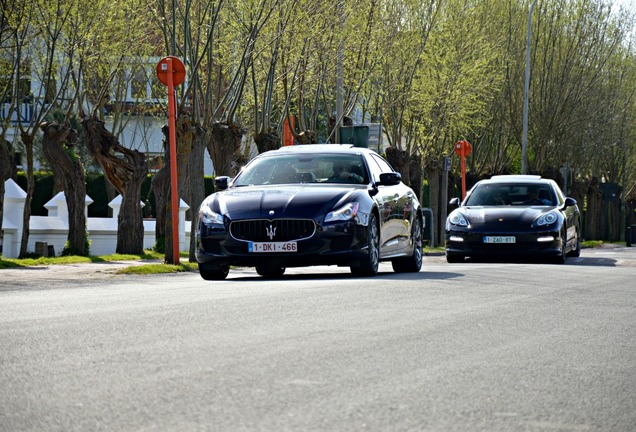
point(500, 239)
point(260, 247)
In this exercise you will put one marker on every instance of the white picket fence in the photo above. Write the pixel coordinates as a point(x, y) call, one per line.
point(52, 230)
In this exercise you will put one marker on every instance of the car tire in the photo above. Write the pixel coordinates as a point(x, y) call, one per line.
point(213, 272)
point(560, 259)
point(454, 259)
point(413, 263)
point(577, 251)
point(271, 272)
point(370, 264)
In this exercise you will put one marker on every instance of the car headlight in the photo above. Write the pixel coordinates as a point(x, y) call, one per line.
point(456, 218)
point(546, 219)
point(346, 212)
point(208, 217)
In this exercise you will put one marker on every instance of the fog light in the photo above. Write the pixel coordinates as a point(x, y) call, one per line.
point(545, 239)
point(456, 239)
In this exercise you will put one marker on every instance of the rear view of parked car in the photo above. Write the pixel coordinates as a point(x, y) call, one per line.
point(517, 215)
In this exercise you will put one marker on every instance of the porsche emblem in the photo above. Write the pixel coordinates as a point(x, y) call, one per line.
point(500, 219)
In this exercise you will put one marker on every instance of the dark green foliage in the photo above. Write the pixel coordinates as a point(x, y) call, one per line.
point(96, 189)
point(44, 184)
point(160, 245)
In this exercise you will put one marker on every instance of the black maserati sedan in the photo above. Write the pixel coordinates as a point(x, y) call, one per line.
point(514, 215)
point(308, 205)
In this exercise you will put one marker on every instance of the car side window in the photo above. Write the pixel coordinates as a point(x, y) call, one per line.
point(380, 166)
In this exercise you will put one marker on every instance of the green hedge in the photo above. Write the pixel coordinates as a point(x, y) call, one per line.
point(96, 189)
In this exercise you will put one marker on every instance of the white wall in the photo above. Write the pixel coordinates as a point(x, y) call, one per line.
point(53, 229)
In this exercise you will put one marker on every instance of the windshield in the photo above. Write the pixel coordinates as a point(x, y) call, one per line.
point(304, 168)
point(489, 194)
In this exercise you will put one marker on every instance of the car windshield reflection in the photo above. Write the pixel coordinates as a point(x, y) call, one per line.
point(494, 195)
point(295, 169)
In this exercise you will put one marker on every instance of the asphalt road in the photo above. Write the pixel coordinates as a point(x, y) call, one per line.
point(461, 347)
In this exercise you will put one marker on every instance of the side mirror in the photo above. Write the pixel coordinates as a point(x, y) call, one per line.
point(390, 179)
point(221, 183)
point(454, 202)
point(569, 202)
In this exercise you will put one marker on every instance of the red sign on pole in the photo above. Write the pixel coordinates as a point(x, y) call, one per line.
point(171, 72)
point(463, 149)
point(171, 66)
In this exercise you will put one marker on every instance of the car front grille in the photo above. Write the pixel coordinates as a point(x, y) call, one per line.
point(276, 230)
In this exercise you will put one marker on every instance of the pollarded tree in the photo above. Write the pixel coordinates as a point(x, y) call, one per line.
point(39, 43)
point(572, 45)
point(408, 26)
point(218, 42)
point(107, 38)
point(189, 31)
point(459, 75)
point(12, 24)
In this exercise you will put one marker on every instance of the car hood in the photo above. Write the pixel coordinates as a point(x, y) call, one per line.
point(503, 217)
point(282, 201)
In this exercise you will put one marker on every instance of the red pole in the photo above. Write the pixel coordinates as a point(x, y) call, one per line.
point(174, 191)
point(463, 160)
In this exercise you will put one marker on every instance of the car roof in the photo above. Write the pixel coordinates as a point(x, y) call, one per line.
point(322, 148)
point(518, 178)
point(514, 178)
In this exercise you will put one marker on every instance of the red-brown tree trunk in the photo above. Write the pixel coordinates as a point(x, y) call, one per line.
point(127, 175)
point(224, 146)
point(58, 147)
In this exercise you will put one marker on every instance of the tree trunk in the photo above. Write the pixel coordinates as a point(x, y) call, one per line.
point(57, 145)
point(191, 144)
point(192, 140)
point(127, 175)
point(400, 161)
point(307, 137)
point(415, 171)
point(593, 211)
point(161, 189)
point(266, 141)
point(224, 148)
point(434, 184)
point(27, 140)
point(6, 171)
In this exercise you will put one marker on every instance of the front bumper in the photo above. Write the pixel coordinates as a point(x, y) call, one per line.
point(342, 244)
point(536, 243)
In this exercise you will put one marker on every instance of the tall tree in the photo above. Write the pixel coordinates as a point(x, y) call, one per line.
point(101, 65)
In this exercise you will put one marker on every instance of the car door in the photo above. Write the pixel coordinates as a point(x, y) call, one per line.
point(396, 208)
point(570, 213)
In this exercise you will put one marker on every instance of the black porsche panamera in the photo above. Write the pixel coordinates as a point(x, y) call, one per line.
point(306, 205)
point(514, 216)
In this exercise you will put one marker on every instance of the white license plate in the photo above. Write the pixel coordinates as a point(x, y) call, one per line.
point(254, 247)
point(500, 239)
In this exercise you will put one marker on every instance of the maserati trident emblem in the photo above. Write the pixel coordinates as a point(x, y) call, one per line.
point(271, 231)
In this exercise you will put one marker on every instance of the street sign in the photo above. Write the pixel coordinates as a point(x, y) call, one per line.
point(171, 72)
point(463, 148)
point(178, 70)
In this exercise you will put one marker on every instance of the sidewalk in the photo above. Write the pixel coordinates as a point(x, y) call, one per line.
point(66, 272)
